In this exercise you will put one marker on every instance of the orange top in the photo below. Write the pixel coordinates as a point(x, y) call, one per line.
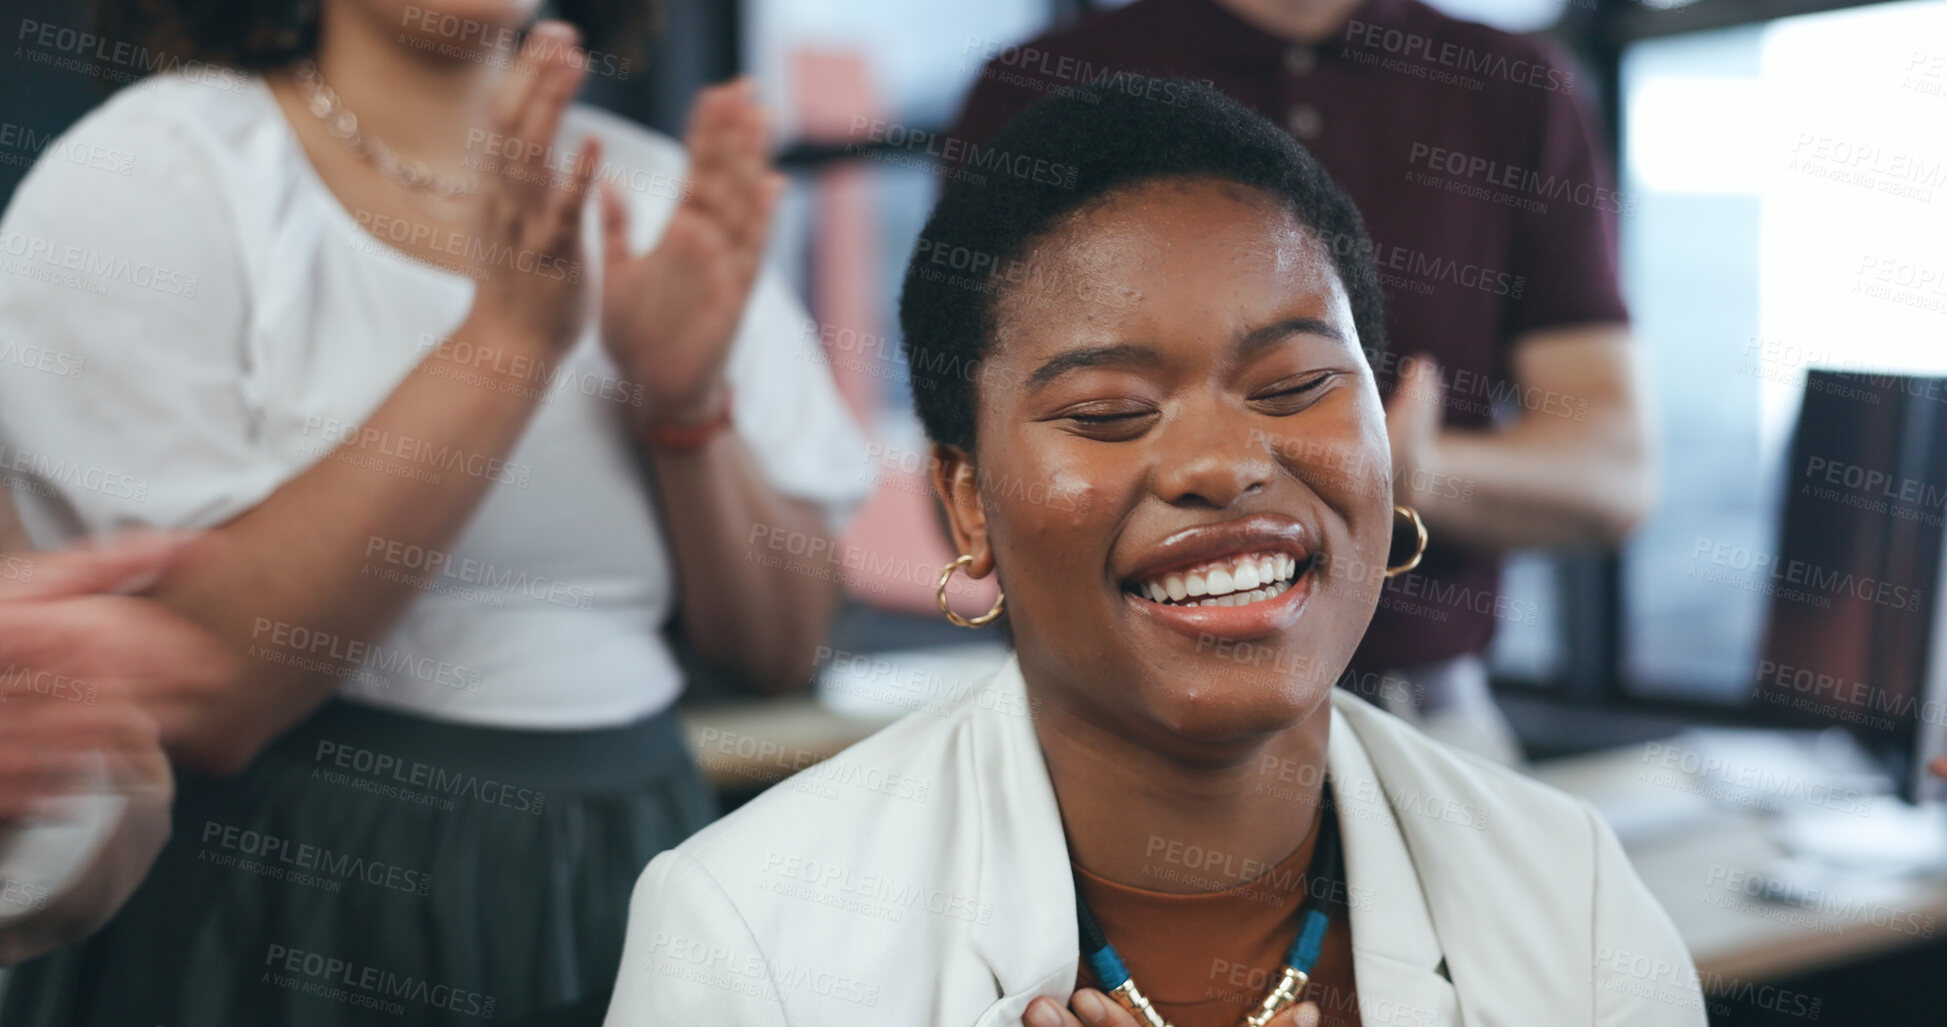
point(1207, 959)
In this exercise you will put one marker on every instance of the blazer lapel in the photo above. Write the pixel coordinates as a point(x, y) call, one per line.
point(1031, 944)
point(1396, 953)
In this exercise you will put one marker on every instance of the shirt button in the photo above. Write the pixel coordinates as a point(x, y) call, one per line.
point(1300, 60)
point(1304, 121)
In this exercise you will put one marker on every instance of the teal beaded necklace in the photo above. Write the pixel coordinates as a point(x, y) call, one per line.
point(1299, 959)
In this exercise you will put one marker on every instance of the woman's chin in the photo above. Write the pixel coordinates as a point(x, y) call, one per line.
point(1235, 709)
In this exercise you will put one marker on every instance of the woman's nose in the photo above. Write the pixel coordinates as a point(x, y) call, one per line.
point(1212, 459)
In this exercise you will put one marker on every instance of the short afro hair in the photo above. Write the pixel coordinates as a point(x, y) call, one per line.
point(1064, 153)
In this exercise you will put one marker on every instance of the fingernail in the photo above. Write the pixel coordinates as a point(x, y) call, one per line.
point(1089, 1005)
point(1039, 1015)
point(559, 31)
point(1307, 1016)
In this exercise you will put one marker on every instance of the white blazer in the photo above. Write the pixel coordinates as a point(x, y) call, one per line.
point(921, 877)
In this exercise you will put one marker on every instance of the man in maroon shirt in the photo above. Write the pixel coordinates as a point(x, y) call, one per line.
point(1512, 404)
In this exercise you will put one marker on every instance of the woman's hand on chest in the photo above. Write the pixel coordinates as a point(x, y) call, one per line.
point(1090, 1008)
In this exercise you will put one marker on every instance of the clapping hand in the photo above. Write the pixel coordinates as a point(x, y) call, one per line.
point(669, 315)
point(1413, 418)
point(528, 218)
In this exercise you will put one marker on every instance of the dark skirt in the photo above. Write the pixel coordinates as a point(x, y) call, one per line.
point(379, 868)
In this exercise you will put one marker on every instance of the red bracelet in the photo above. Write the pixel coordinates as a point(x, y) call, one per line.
point(687, 436)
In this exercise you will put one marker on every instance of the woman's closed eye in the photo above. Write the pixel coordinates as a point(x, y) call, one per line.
point(1122, 420)
point(1292, 394)
point(1108, 420)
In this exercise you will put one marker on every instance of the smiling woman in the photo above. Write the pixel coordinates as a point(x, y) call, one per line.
point(1209, 414)
point(1163, 786)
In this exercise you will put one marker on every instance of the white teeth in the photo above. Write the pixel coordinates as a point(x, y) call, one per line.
point(1246, 579)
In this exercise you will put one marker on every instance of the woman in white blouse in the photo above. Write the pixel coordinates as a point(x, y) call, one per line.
point(464, 438)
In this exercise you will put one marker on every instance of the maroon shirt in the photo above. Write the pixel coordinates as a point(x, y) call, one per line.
point(1490, 207)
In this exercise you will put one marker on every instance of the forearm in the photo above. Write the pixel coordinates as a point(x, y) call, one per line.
point(411, 475)
point(1535, 483)
point(759, 619)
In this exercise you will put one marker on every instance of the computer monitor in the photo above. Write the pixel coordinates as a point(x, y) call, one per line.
point(1918, 783)
point(1857, 633)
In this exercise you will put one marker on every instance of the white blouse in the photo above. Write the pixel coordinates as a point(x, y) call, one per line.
point(195, 319)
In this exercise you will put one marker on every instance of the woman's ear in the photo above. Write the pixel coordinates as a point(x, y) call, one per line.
point(958, 486)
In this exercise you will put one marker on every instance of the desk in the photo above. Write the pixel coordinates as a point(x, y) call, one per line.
point(1737, 939)
point(746, 747)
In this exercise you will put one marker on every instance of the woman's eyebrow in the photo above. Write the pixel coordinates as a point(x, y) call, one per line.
point(1093, 356)
point(1258, 338)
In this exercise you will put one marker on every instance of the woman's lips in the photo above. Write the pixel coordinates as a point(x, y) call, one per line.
point(1251, 620)
point(1240, 578)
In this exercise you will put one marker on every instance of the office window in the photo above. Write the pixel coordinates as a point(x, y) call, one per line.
point(1531, 652)
point(1785, 195)
point(921, 57)
point(865, 93)
point(853, 76)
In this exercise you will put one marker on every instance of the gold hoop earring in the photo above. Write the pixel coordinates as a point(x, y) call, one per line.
point(1419, 529)
point(946, 574)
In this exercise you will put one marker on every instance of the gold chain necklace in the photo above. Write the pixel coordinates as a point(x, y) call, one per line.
point(323, 103)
